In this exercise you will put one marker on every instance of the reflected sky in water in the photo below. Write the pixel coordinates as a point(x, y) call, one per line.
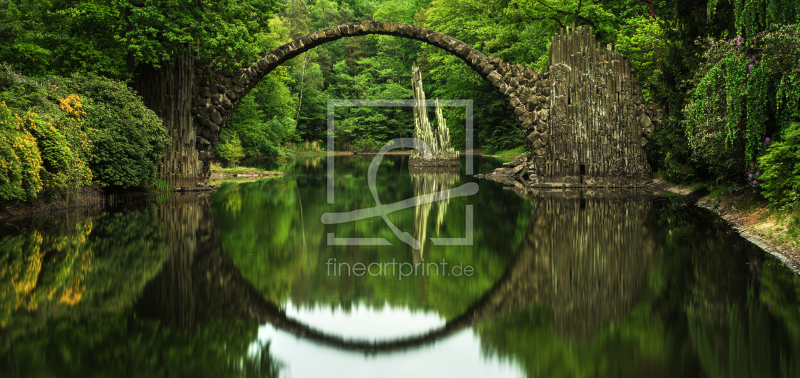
point(362, 322)
point(457, 356)
point(303, 359)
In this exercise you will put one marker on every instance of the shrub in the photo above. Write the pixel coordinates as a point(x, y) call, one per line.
point(746, 90)
point(21, 92)
point(128, 138)
point(780, 168)
point(87, 128)
point(367, 144)
point(64, 146)
point(231, 147)
point(20, 160)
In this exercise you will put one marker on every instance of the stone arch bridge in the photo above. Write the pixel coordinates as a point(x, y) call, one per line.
point(580, 64)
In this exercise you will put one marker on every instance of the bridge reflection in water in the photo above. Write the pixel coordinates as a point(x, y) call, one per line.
point(584, 255)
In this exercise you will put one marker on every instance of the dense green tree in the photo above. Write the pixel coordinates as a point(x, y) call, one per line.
point(265, 118)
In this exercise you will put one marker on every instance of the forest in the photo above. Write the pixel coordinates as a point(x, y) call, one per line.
point(724, 72)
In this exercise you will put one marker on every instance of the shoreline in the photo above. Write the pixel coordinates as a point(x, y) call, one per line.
point(23, 210)
point(217, 176)
point(759, 227)
point(30, 209)
point(356, 153)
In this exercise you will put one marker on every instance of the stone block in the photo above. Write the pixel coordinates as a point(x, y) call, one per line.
point(216, 117)
point(263, 64)
point(226, 102)
point(366, 25)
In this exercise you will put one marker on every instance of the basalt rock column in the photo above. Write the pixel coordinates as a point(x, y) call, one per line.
point(598, 121)
point(442, 154)
point(168, 92)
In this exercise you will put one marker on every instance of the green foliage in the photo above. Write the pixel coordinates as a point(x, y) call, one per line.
point(384, 76)
point(57, 126)
point(87, 128)
point(110, 37)
point(65, 146)
point(780, 168)
point(21, 92)
point(741, 96)
point(160, 186)
point(265, 118)
point(128, 138)
point(753, 16)
point(512, 152)
point(712, 122)
point(704, 80)
point(640, 42)
point(366, 144)
point(676, 166)
point(231, 148)
point(20, 159)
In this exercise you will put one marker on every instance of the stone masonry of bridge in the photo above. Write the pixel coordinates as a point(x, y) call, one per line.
point(587, 110)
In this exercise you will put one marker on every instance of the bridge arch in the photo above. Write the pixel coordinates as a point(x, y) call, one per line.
point(215, 96)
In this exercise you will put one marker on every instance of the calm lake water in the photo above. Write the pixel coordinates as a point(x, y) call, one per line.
point(249, 281)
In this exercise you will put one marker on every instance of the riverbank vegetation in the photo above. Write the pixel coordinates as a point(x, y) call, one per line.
point(217, 170)
point(725, 73)
point(64, 134)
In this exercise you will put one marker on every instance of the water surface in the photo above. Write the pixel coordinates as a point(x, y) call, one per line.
point(243, 282)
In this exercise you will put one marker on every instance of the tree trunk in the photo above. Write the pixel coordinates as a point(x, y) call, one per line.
point(302, 84)
point(168, 92)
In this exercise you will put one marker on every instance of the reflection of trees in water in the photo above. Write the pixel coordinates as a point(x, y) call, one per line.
point(75, 263)
point(199, 280)
point(28, 282)
point(181, 323)
point(427, 182)
point(199, 292)
point(740, 303)
point(123, 344)
point(702, 311)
